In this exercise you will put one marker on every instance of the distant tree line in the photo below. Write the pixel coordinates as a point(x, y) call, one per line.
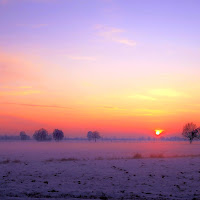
point(43, 135)
point(190, 132)
point(58, 135)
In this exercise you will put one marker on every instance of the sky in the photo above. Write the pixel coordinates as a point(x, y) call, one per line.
point(124, 68)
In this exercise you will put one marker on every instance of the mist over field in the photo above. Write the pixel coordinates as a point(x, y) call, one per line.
point(85, 150)
point(99, 170)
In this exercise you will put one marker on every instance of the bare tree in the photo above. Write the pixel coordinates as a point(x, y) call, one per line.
point(96, 135)
point(190, 131)
point(23, 136)
point(41, 135)
point(90, 135)
point(58, 135)
point(93, 135)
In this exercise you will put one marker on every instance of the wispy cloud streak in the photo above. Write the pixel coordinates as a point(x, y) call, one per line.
point(112, 108)
point(142, 97)
point(5, 2)
point(19, 93)
point(86, 58)
point(35, 105)
point(115, 35)
point(34, 26)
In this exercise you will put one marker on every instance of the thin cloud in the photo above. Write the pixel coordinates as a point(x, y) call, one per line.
point(112, 108)
point(143, 97)
point(86, 58)
point(24, 87)
point(151, 112)
point(127, 42)
point(108, 107)
point(115, 35)
point(39, 25)
point(5, 2)
point(13, 87)
point(36, 105)
point(34, 26)
point(166, 92)
point(19, 93)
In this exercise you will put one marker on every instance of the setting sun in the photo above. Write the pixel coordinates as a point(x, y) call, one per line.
point(158, 132)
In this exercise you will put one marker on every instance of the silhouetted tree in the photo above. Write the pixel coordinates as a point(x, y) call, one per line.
point(93, 135)
point(41, 135)
point(23, 136)
point(190, 131)
point(58, 135)
point(96, 135)
point(90, 135)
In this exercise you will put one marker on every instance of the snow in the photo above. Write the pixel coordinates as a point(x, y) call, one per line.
point(102, 170)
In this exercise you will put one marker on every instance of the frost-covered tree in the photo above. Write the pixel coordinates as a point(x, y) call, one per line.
point(191, 132)
point(41, 135)
point(58, 135)
point(93, 135)
point(23, 136)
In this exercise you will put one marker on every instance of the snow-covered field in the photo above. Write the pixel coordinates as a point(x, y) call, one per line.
point(102, 170)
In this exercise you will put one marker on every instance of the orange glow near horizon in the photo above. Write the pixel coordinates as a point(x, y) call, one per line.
point(110, 77)
point(158, 132)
